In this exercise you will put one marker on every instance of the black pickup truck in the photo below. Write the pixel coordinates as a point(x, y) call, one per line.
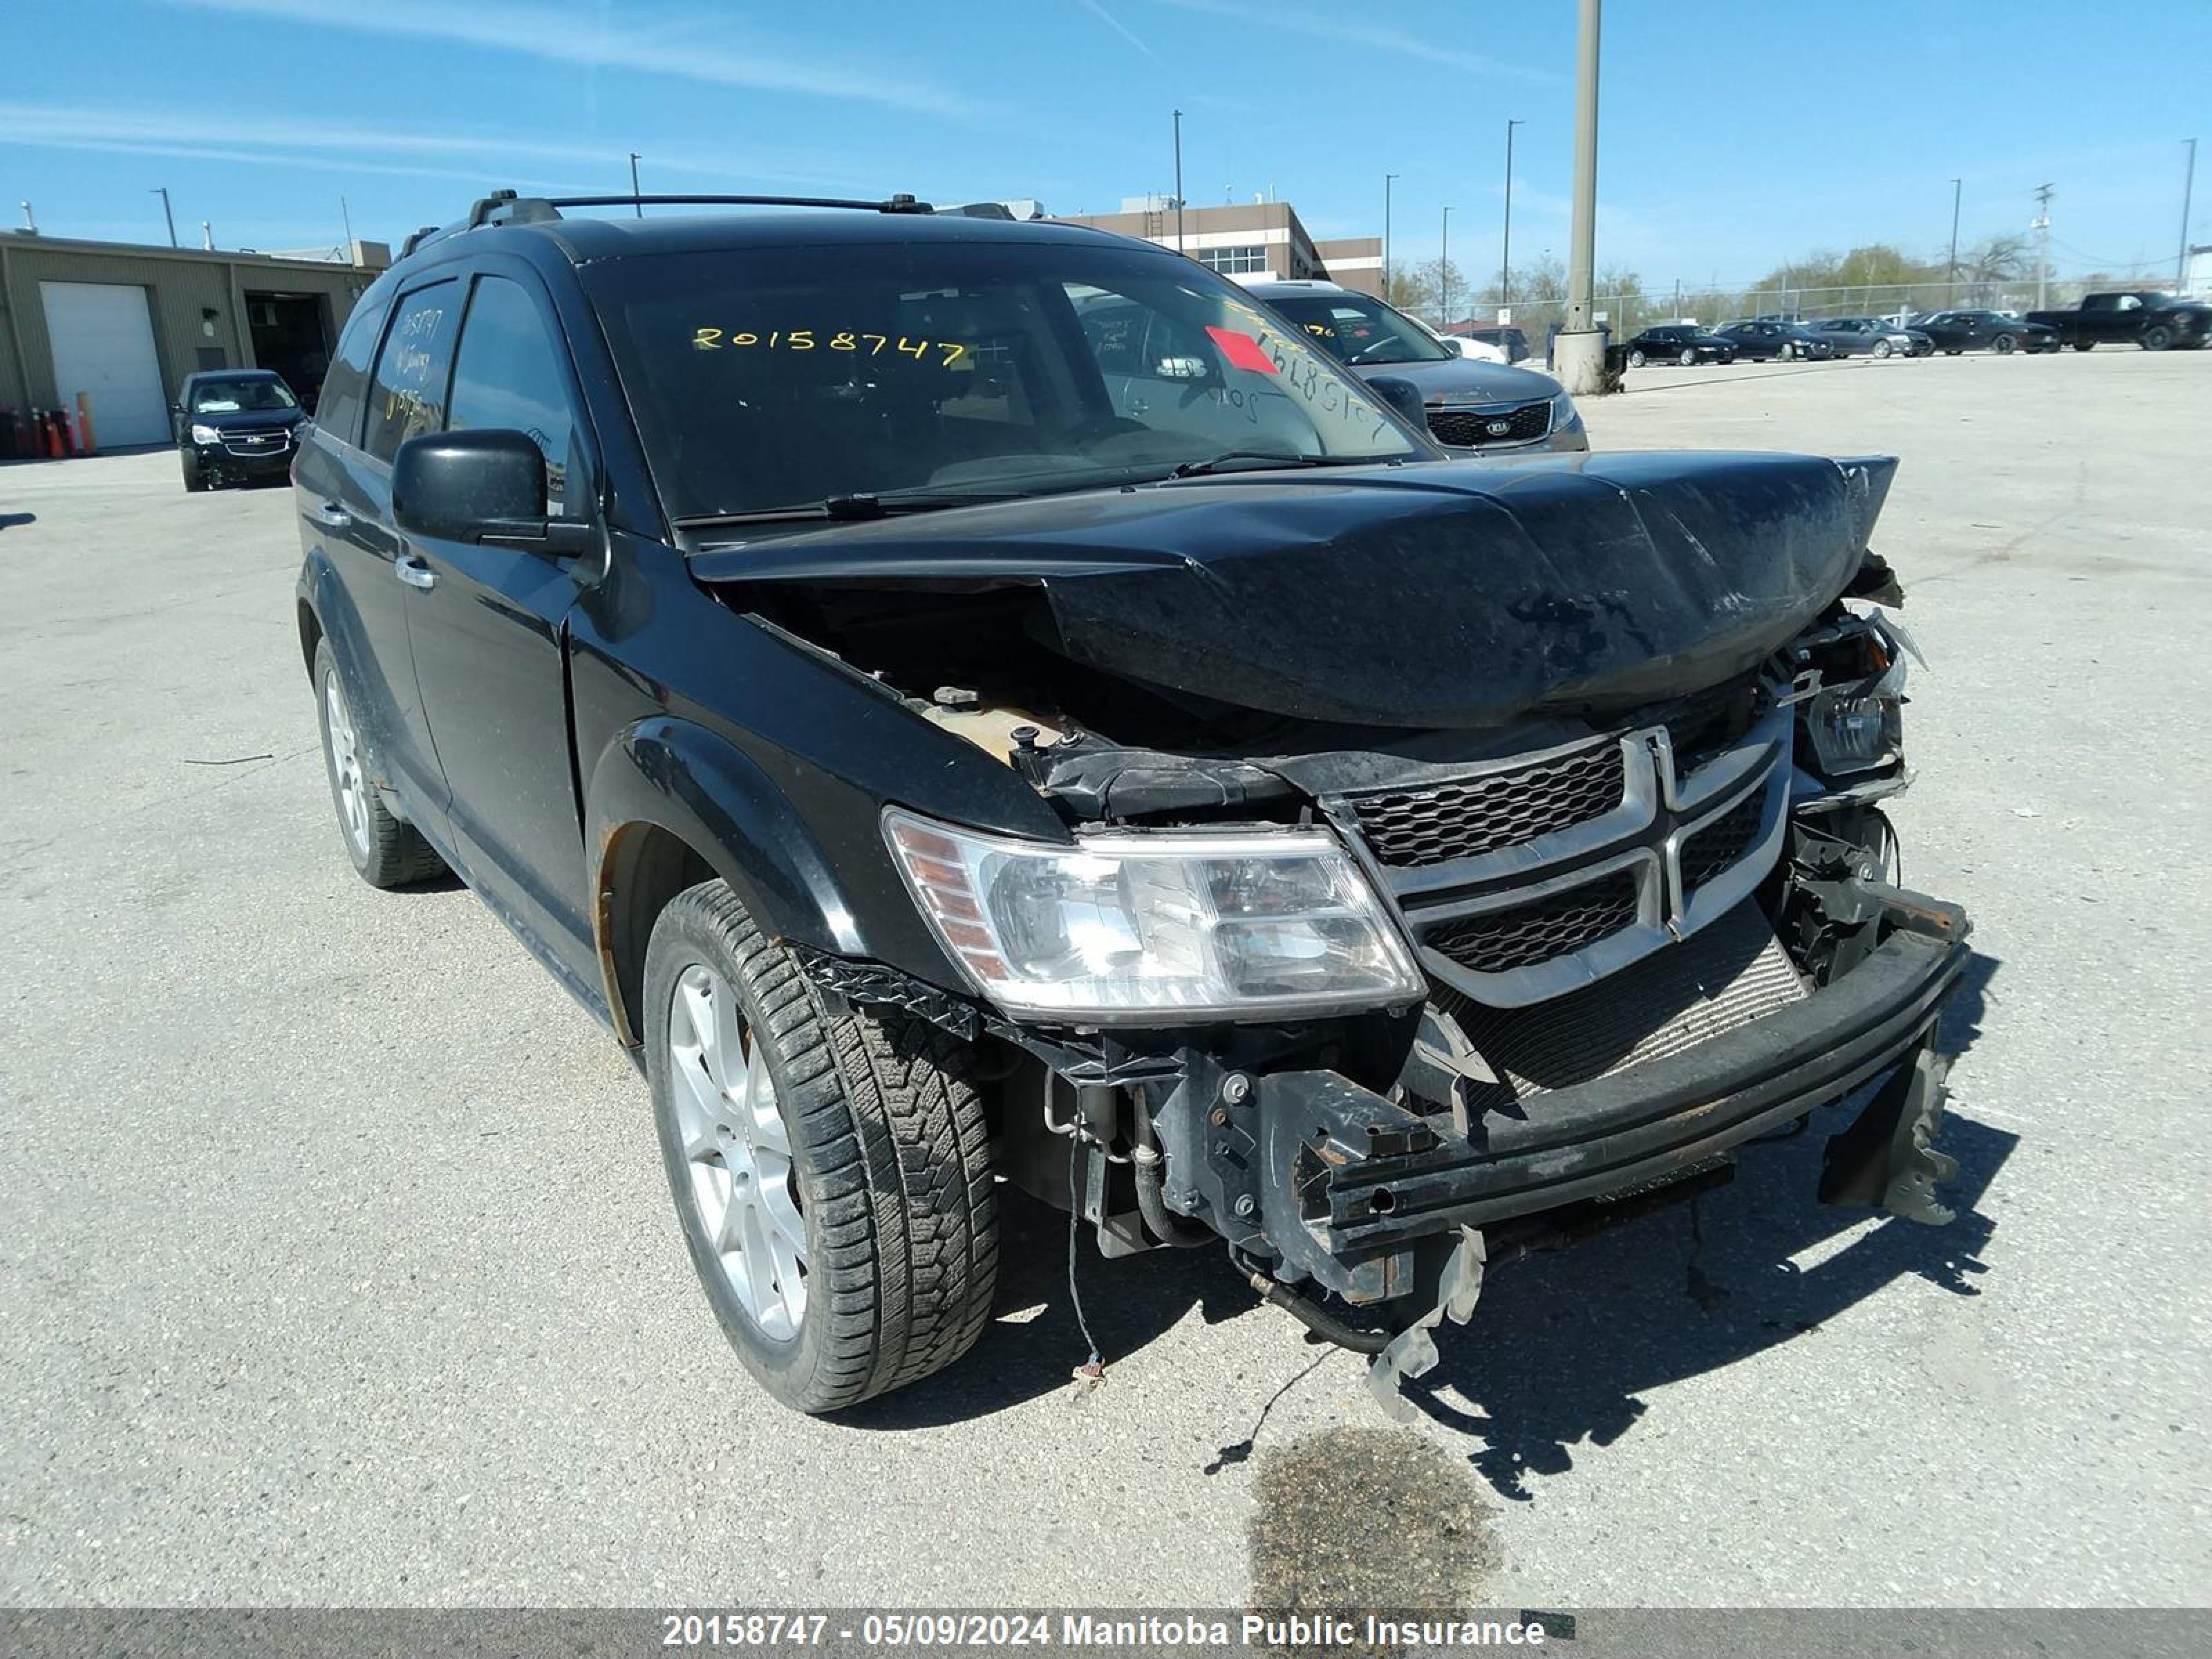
point(1190, 796)
point(2155, 320)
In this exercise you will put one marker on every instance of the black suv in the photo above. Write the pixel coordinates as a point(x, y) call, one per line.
point(235, 424)
point(948, 754)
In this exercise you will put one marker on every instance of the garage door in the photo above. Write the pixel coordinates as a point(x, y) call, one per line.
point(103, 345)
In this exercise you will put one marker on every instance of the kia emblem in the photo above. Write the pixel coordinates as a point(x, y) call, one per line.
point(1498, 429)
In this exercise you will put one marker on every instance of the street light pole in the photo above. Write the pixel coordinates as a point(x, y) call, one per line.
point(2188, 189)
point(1505, 254)
point(2042, 228)
point(1581, 354)
point(1178, 149)
point(163, 190)
point(637, 207)
point(1443, 276)
point(1386, 179)
point(1951, 270)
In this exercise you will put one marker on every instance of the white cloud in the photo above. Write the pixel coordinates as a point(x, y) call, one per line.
point(1117, 25)
point(1358, 28)
point(565, 37)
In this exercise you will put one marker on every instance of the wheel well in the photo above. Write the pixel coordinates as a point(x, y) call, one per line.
point(645, 867)
point(310, 634)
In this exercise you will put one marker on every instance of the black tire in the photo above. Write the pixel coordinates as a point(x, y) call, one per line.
point(2157, 337)
point(1883, 349)
point(1688, 357)
point(1953, 351)
point(386, 852)
point(2002, 345)
point(196, 477)
point(1636, 360)
point(891, 1161)
point(2085, 345)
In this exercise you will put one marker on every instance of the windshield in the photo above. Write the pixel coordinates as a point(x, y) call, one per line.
point(788, 377)
point(230, 396)
point(1362, 332)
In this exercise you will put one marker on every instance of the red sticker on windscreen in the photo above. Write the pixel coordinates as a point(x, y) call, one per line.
point(1242, 351)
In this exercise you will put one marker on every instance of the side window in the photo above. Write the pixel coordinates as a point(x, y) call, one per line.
point(407, 396)
point(345, 389)
point(511, 373)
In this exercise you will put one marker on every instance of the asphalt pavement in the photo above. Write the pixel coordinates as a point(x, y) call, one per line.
point(337, 1265)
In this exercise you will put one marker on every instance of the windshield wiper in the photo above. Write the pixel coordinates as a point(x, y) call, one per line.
point(846, 510)
point(1274, 458)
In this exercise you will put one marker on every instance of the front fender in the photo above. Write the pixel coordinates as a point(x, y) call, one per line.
point(682, 778)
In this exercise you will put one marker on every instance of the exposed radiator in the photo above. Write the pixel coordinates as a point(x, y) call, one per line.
point(1715, 981)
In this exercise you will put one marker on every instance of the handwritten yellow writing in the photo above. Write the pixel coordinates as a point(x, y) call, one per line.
point(807, 339)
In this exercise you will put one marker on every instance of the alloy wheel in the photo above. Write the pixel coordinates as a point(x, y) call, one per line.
point(738, 1149)
point(347, 776)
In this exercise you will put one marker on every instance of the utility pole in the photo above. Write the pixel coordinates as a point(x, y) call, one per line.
point(637, 207)
point(2042, 228)
point(1178, 149)
point(1506, 253)
point(1581, 349)
point(163, 190)
point(2188, 189)
point(1443, 276)
point(1388, 180)
point(1951, 270)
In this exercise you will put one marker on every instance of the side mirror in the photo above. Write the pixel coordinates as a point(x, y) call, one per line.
point(1402, 395)
point(487, 486)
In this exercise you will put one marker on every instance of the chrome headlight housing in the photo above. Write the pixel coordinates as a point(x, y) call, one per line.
point(1563, 413)
point(1861, 727)
point(205, 435)
point(1164, 927)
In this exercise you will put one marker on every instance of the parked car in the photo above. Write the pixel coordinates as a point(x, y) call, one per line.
point(1679, 343)
point(1509, 339)
point(1764, 339)
point(1467, 404)
point(1954, 331)
point(971, 701)
point(2149, 318)
point(1872, 336)
point(1479, 351)
point(233, 425)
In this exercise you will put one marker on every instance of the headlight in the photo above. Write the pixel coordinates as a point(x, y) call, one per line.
point(206, 435)
point(1129, 926)
point(1563, 411)
point(1857, 728)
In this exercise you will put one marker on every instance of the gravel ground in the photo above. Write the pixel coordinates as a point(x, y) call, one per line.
point(337, 1264)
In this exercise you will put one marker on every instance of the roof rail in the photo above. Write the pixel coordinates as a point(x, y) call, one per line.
point(505, 207)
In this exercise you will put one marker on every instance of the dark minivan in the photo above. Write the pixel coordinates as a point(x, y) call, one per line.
point(967, 701)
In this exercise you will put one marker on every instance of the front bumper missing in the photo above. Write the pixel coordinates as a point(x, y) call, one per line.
point(1340, 1186)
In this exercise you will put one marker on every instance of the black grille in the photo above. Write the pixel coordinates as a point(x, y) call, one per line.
point(1470, 429)
point(1722, 844)
point(1706, 720)
point(1529, 934)
point(1469, 816)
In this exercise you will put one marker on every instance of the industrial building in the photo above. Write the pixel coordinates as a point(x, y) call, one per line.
point(1257, 239)
point(122, 325)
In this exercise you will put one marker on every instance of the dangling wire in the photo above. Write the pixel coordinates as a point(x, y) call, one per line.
point(1094, 1367)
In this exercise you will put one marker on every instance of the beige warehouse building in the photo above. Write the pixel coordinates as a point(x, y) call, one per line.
point(125, 324)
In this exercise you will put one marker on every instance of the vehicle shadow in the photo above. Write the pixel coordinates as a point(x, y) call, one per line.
point(8, 521)
point(1563, 1347)
point(1033, 1343)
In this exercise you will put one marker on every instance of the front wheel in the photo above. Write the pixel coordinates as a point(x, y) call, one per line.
point(1688, 357)
point(1953, 351)
point(831, 1166)
point(1882, 348)
point(2157, 337)
point(1636, 360)
point(196, 477)
point(2085, 345)
point(2002, 345)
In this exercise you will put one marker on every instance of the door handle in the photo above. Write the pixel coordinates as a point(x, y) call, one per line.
point(412, 571)
point(331, 516)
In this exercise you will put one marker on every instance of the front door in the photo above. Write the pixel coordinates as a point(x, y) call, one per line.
point(490, 626)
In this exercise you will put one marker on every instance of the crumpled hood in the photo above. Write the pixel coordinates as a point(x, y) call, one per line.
point(1456, 594)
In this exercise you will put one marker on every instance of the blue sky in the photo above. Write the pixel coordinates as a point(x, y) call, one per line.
point(1733, 135)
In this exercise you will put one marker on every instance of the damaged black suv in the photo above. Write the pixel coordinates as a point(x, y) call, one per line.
point(968, 701)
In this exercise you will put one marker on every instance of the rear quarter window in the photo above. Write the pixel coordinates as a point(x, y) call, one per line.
point(345, 389)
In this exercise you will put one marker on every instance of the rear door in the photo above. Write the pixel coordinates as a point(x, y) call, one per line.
point(490, 626)
point(342, 492)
